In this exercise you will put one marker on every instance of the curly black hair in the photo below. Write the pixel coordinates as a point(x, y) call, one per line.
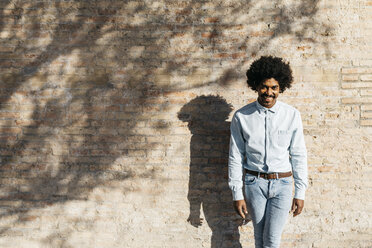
point(268, 67)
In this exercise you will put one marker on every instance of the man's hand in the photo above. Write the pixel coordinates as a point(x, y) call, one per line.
point(241, 208)
point(297, 206)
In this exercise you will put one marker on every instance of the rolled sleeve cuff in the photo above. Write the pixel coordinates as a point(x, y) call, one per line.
point(238, 195)
point(299, 194)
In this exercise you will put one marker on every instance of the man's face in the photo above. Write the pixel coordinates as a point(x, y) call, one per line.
point(268, 91)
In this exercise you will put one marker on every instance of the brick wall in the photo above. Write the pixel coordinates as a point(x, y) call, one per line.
point(114, 119)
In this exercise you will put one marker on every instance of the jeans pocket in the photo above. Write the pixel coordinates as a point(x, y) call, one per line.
point(250, 179)
point(286, 180)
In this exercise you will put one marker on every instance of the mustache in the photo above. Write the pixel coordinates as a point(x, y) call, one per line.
point(266, 95)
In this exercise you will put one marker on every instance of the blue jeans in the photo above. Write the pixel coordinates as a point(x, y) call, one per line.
point(269, 203)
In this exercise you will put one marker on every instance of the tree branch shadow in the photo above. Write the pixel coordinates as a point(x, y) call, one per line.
point(87, 76)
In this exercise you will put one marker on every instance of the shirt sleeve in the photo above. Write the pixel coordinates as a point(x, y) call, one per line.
point(236, 158)
point(298, 153)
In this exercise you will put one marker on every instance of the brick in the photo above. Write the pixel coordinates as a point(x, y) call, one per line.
point(321, 76)
point(366, 107)
point(328, 93)
point(332, 116)
point(221, 55)
point(12, 130)
point(366, 77)
point(356, 85)
point(366, 62)
point(356, 100)
point(350, 77)
point(366, 92)
point(261, 33)
point(238, 55)
point(366, 122)
point(303, 48)
point(366, 115)
point(357, 70)
point(9, 115)
point(209, 35)
point(6, 49)
point(211, 20)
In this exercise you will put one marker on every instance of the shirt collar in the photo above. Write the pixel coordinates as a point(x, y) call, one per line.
point(273, 109)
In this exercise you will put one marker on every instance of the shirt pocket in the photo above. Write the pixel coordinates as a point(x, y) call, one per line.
point(284, 138)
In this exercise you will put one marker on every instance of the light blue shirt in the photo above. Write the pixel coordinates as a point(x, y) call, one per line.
point(267, 140)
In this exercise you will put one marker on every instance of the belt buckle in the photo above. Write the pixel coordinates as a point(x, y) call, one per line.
point(265, 175)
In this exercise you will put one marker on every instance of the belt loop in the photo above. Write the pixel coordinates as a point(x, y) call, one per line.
point(276, 175)
point(258, 175)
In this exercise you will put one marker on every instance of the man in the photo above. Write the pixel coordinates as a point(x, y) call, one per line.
point(267, 144)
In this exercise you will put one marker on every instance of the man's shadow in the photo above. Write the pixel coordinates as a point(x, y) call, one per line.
point(208, 185)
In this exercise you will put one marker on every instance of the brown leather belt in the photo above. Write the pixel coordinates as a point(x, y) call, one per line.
point(275, 175)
